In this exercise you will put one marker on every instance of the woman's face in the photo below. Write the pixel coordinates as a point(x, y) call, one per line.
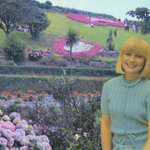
point(132, 63)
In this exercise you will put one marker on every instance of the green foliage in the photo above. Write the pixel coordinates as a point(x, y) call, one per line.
point(39, 84)
point(145, 27)
point(49, 60)
point(48, 4)
point(77, 113)
point(13, 13)
point(62, 63)
point(85, 61)
point(15, 83)
point(139, 13)
point(38, 23)
point(52, 60)
point(14, 49)
point(46, 71)
point(144, 14)
point(61, 88)
point(34, 146)
point(13, 108)
point(7, 63)
point(18, 100)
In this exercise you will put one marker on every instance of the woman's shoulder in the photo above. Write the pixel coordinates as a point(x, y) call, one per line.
point(146, 83)
point(113, 81)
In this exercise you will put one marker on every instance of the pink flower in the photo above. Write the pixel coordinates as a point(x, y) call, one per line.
point(95, 20)
point(7, 125)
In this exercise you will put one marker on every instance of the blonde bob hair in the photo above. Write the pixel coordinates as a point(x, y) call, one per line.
point(137, 46)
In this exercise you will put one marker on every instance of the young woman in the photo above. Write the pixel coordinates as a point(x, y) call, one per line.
point(126, 100)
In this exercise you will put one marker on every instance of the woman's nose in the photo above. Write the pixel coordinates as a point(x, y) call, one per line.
point(132, 58)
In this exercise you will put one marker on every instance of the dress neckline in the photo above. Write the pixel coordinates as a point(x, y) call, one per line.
point(130, 83)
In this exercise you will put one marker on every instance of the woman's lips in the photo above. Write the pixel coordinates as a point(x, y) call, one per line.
point(131, 65)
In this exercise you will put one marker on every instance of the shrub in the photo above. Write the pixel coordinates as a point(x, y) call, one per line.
point(50, 60)
point(85, 61)
point(9, 63)
point(36, 54)
point(77, 113)
point(43, 70)
point(62, 63)
point(18, 100)
point(28, 97)
point(40, 96)
point(14, 49)
point(18, 93)
point(6, 95)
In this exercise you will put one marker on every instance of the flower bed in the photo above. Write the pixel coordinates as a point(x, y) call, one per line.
point(19, 96)
point(95, 20)
point(60, 48)
point(17, 134)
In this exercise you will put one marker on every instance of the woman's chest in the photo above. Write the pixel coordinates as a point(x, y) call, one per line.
point(127, 102)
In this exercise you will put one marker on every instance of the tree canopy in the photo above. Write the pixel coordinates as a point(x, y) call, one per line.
point(139, 13)
point(142, 13)
point(38, 23)
point(15, 12)
point(46, 5)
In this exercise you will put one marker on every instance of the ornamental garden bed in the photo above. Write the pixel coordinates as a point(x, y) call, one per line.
point(82, 48)
point(95, 20)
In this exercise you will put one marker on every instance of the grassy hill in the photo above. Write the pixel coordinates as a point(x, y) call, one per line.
point(59, 26)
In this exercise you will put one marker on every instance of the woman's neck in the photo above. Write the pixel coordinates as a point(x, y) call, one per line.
point(131, 77)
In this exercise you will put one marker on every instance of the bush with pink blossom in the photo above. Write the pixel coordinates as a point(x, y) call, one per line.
point(36, 54)
point(20, 135)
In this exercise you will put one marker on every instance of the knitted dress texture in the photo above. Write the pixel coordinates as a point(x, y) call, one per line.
point(128, 104)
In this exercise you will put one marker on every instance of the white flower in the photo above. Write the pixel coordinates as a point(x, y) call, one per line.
point(85, 134)
point(76, 136)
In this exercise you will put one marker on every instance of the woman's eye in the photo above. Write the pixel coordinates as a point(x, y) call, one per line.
point(140, 56)
point(128, 53)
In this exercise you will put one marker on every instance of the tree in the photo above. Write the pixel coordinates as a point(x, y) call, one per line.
point(14, 12)
point(143, 14)
point(48, 4)
point(38, 23)
point(110, 41)
point(72, 38)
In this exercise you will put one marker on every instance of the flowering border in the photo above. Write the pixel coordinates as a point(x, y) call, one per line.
point(85, 19)
point(58, 47)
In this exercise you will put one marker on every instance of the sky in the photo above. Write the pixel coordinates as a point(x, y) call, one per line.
point(116, 8)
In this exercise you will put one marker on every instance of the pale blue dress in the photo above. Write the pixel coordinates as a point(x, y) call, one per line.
point(128, 104)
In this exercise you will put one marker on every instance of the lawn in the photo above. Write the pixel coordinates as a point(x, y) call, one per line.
point(59, 26)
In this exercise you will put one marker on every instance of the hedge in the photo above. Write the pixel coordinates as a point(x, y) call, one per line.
point(42, 70)
point(13, 83)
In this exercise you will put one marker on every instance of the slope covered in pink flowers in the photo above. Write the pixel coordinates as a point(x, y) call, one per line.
point(95, 20)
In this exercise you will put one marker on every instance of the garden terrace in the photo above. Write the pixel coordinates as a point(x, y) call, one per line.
point(42, 70)
point(14, 83)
